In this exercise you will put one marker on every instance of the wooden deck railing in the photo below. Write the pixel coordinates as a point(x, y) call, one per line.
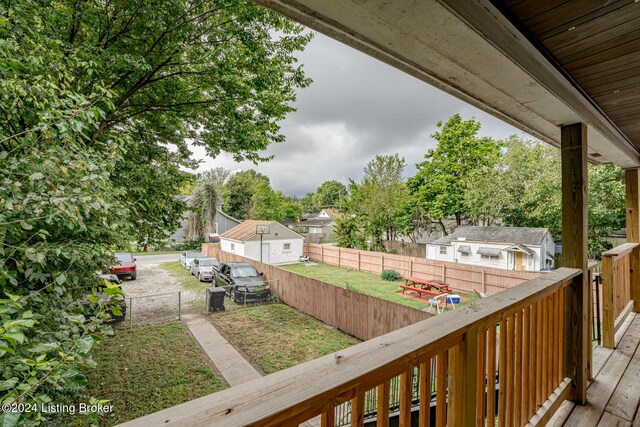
point(516, 334)
point(616, 289)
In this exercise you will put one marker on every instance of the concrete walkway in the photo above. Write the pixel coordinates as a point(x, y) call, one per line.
point(231, 364)
point(233, 367)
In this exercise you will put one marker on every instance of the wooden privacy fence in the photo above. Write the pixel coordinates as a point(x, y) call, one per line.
point(357, 314)
point(530, 360)
point(463, 277)
point(617, 276)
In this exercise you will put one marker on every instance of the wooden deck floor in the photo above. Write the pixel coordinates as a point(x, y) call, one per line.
point(614, 394)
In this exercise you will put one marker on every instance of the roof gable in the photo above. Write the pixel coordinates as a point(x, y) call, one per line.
point(247, 229)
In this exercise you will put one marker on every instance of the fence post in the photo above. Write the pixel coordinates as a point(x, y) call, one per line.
point(381, 263)
point(484, 291)
point(444, 272)
point(608, 289)
point(410, 268)
point(359, 261)
point(179, 305)
point(339, 258)
point(322, 254)
point(130, 313)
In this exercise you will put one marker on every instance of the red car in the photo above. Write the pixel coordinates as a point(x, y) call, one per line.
point(126, 266)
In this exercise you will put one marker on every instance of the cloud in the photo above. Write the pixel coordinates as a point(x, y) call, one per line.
point(356, 107)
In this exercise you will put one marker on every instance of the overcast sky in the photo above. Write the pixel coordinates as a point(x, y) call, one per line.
point(355, 108)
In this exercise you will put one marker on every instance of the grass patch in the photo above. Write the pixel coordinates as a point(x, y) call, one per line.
point(144, 370)
point(363, 282)
point(183, 276)
point(276, 336)
point(156, 253)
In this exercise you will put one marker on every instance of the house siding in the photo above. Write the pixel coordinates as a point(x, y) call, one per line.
point(279, 235)
point(534, 262)
point(238, 247)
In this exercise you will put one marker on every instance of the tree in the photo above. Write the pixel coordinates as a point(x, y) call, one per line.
point(380, 198)
point(309, 203)
point(151, 187)
point(238, 192)
point(523, 189)
point(349, 234)
point(329, 194)
point(202, 219)
point(267, 204)
point(217, 176)
point(90, 95)
point(438, 185)
point(607, 206)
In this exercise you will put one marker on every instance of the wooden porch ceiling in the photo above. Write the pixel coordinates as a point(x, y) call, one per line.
point(596, 44)
point(514, 59)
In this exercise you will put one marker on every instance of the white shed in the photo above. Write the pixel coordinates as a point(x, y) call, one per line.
point(279, 244)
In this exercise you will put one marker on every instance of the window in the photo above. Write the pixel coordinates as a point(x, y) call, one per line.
point(233, 246)
point(287, 247)
point(490, 257)
point(443, 250)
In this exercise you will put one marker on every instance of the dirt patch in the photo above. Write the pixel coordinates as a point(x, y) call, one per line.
point(153, 296)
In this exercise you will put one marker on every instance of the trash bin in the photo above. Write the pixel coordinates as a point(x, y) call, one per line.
point(216, 299)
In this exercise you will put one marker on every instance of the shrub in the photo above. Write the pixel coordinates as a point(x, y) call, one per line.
point(390, 275)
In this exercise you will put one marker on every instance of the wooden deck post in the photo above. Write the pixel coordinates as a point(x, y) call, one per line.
point(633, 232)
point(608, 291)
point(577, 336)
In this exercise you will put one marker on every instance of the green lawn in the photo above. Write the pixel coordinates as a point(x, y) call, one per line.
point(147, 369)
point(156, 253)
point(276, 336)
point(183, 276)
point(366, 283)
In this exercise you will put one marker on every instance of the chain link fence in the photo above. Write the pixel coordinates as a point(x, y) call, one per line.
point(149, 309)
point(153, 309)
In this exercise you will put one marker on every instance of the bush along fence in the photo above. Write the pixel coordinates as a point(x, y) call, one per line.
point(462, 277)
point(356, 314)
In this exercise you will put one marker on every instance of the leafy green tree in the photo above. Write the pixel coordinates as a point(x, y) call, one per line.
point(88, 92)
point(239, 191)
point(438, 185)
point(268, 204)
point(607, 206)
point(523, 189)
point(380, 198)
point(329, 194)
point(349, 234)
point(151, 187)
point(309, 203)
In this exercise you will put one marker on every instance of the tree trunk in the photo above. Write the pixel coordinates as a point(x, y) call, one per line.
point(444, 229)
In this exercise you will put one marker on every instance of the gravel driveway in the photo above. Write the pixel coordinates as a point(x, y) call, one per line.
point(154, 293)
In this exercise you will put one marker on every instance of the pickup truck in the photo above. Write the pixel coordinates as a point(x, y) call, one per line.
point(242, 282)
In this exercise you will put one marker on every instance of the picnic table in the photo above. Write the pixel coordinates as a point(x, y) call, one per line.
point(430, 288)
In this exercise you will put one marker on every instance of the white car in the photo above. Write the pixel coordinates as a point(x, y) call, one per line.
point(204, 268)
point(187, 257)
